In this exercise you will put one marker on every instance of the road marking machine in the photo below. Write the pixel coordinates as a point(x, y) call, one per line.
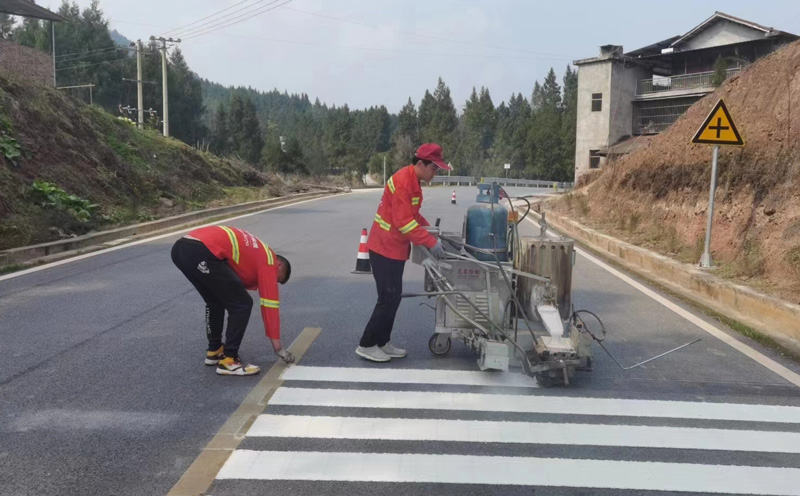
point(509, 298)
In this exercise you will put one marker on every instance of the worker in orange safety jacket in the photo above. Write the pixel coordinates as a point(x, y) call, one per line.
point(222, 263)
point(397, 224)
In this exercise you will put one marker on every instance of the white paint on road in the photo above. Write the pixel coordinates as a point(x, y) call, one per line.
point(480, 431)
point(418, 400)
point(505, 470)
point(408, 376)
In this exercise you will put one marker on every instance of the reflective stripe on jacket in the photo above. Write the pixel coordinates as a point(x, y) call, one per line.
point(398, 222)
point(253, 262)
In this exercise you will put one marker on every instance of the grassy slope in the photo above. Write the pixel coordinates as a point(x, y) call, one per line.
point(132, 174)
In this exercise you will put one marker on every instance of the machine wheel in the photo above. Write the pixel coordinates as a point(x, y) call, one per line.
point(544, 380)
point(438, 346)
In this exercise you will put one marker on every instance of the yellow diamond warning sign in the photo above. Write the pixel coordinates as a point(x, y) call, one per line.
point(719, 129)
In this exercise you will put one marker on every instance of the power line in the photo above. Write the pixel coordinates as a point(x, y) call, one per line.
point(392, 50)
point(90, 55)
point(214, 22)
point(247, 16)
point(82, 66)
point(204, 18)
point(447, 40)
point(88, 52)
point(296, 42)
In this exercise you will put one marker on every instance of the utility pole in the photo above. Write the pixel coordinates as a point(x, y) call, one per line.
point(139, 89)
point(165, 91)
point(384, 170)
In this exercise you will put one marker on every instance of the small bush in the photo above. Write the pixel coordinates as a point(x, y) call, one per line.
point(569, 199)
point(583, 205)
point(672, 241)
point(698, 247)
point(634, 219)
point(10, 148)
point(792, 259)
point(50, 195)
point(753, 262)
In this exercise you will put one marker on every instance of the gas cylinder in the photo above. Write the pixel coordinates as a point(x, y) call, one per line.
point(486, 228)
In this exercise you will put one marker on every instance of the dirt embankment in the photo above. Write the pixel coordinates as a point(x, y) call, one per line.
point(69, 168)
point(658, 195)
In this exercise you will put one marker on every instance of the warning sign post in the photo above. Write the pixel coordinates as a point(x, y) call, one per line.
point(718, 129)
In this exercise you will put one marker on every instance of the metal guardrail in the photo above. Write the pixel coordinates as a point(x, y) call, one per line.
point(682, 82)
point(454, 180)
point(502, 181)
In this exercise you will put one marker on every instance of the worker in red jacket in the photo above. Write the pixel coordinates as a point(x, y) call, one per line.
point(223, 263)
point(398, 223)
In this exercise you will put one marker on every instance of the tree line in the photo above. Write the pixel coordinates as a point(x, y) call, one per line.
point(288, 133)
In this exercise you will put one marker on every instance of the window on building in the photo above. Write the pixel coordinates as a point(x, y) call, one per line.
point(597, 102)
point(594, 159)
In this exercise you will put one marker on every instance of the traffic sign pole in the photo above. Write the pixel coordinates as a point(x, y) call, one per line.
point(718, 129)
point(705, 260)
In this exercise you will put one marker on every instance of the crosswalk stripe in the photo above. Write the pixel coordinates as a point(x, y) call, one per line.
point(533, 404)
point(503, 470)
point(407, 376)
point(298, 426)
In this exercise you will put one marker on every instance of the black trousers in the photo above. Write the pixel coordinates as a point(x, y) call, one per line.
point(220, 288)
point(388, 274)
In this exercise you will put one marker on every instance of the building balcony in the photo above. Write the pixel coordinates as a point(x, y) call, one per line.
point(676, 86)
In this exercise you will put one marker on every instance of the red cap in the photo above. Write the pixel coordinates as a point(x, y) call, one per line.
point(432, 152)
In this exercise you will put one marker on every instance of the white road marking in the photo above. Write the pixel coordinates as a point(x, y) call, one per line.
point(504, 470)
point(418, 400)
point(759, 357)
point(407, 376)
point(480, 431)
point(148, 240)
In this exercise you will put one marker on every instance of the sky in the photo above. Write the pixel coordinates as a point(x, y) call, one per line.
point(381, 52)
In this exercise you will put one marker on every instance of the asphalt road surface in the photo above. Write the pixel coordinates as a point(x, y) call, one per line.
point(103, 390)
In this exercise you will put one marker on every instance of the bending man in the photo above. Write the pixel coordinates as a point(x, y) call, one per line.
point(223, 263)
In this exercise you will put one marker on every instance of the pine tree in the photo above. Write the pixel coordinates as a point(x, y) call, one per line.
point(220, 134)
point(252, 140)
point(246, 139)
point(186, 100)
point(545, 131)
point(427, 117)
point(445, 119)
point(407, 122)
point(569, 123)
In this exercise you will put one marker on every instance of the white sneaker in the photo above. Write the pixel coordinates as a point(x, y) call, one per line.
point(393, 351)
point(373, 353)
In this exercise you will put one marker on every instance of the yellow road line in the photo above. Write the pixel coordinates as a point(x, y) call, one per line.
point(201, 474)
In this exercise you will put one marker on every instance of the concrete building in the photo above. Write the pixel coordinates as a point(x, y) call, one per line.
point(623, 97)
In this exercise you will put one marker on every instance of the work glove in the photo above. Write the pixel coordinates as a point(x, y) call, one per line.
point(438, 250)
point(285, 355)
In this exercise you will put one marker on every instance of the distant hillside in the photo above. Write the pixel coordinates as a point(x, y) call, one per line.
point(658, 195)
point(119, 38)
point(69, 168)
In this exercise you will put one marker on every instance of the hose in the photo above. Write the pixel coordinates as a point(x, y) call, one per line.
point(585, 328)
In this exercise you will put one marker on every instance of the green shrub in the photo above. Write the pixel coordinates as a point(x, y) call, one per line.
point(50, 195)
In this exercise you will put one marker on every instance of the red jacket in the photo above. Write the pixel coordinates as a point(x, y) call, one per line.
point(398, 222)
point(255, 264)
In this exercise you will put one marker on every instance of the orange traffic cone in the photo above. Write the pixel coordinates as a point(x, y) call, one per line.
point(453, 198)
point(362, 262)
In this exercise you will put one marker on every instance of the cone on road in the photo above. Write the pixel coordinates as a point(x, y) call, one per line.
point(453, 198)
point(362, 262)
